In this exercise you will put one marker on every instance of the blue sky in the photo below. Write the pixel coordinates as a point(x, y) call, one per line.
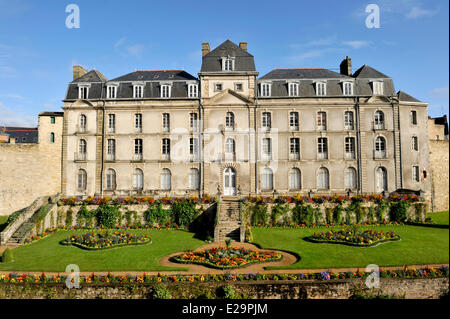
point(37, 50)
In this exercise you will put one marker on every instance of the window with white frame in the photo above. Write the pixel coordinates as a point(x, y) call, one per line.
point(111, 123)
point(293, 121)
point(111, 150)
point(350, 148)
point(347, 88)
point(229, 120)
point(415, 174)
point(193, 122)
point(194, 180)
point(81, 179)
point(165, 149)
point(380, 147)
point(138, 149)
point(321, 88)
point(218, 87)
point(138, 122)
point(295, 179)
point(83, 92)
point(294, 148)
point(82, 148)
point(267, 179)
point(230, 146)
point(293, 89)
point(266, 120)
point(321, 121)
point(228, 64)
point(193, 90)
point(138, 179)
point(265, 89)
point(323, 178)
point(378, 120)
point(193, 148)
point(166, 179)
point(83, 123)
point(322, 148)
point(166, 122)
point(165, 91)
point(266, 149)
point(110, 179)
point(415, 143)
point(348, 120)
point(111, 92)
point(377, 87)
point(138, 91)
point(350, 178)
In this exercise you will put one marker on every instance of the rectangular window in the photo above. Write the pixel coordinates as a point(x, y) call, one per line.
point(52, 120)
point(348, 120)
point(321, 89)
point(193, 148)
point(377, 88)
point(266, 120)
point(193, 122)
point(165, 91)
point(266, 149)
point(83, 92)
point(322, 148)
point(415, 143)
point(265, 89)
point(349, 147)
point(415, 174)
point(166, 149)
point(294, 148)
point(193, 90)
point(293, 121)
point(138, 91)
point(138, 123)
point(228, 65)
point(111, 92)
point(111, 123)
point(111, 153)
point(239, 87)
point(138, 149)
point(218, 87)
point(166, 122)
point(413, 117)
point(321, 121)
point(293, 89)
point(348, 88)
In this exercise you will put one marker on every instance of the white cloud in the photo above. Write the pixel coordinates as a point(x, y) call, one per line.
point(120, 42)
point(417, 12)
point(12, 96)
point(309, 55)
point(7, 72)
point(440, 93)
point(357, 44)
point(11, 118)
point(135, 50)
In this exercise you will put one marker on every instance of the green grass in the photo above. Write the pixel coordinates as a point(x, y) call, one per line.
point(418, 245)
point(48, 255)
point(3, 224)
point(440, 218)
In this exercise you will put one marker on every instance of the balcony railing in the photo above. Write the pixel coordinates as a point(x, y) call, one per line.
point(80, 156)
point(266, 157)
point(322, 155)
point(165, 157)
point(137, 157)
point(110, 157)
point(294, 156)
point(350, 156)
point(81, 128)
point(379, 154)
point(230, 156)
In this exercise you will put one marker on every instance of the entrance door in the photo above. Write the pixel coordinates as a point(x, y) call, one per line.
point(229, 182)
point(381, 179)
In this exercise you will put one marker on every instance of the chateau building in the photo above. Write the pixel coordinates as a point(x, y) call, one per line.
point(290, 131)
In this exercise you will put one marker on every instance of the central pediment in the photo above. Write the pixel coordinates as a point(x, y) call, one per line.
point(229, 97)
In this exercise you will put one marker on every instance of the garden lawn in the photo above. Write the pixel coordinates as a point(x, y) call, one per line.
point(48, 255)
point(418, 245)
point(440, 218)
point(3, 220)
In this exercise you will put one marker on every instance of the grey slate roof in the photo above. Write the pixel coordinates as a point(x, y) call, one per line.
point(91, 76)
point(22, 134)
point(303, 74)
point(212, 61)
point(156, 75)
point(404, 97)
point(368, 72)
point(51, 114)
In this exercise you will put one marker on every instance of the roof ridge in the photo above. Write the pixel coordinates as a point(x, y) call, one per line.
point(158, 70)
point(301, 69)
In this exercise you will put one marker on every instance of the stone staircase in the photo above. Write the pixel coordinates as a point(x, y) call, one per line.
point(229, 223)
point(22, 232)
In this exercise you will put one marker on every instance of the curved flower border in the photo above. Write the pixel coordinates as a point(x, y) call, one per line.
point(350, 240)
point(72, 241)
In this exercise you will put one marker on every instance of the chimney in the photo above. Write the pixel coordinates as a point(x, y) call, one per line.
point(205, 48)
point(346, 66)
point(78, 71)
point(243, 46)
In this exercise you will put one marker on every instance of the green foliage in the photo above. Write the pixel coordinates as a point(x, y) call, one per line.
point(128, 217)
point(85, 217)
point(371, 214)
point(303, 214)
point(399, 211)
point(184, 212)
point(317, 216)
point(380, 210)
point(354, 209)
point(161, 292)
point(279, 210)
point(137, 220)
point(69, 218)
point(226, 292)
point(155, 214)
point(107, 215)
point(420, 211)
point(337, 213)
point(13, 217)
point(228, 243)
point(258, 214)
point(7, 256)
point(329, 215)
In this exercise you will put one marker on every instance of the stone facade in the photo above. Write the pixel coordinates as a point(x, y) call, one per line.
point(439, 163)
point(29, 171)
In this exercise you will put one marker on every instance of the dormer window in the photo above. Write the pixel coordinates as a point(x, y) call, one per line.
point(293, 89)
point(265, 89)
point(347, 88)
point(165, 91)
point(193, 90)
point(138, 91)
point(227, 64)
point(111, 92)
point(377, 87)
point(83, 92)
point(321, 88)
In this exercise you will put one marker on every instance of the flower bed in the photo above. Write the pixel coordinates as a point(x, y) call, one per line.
point(354, 237)
point(105, 240)
point(227, 258)
point(130, 200)
point(45, 234)
point(406, 272)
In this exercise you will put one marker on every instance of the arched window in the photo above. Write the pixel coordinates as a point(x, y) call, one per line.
point(83, 123)
point(348, 120)
point(194, 179)
point(380, 147)
point(52, 137)
point(138, 179)
point(267, 179)
point(323, 178)
point(350, 178)
point(82, 179)
point(381, 179)
point(166, 177)
point(295, 179)
point(229, 120)
point(378, 120)
point(82, 147)
point(110, 179)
